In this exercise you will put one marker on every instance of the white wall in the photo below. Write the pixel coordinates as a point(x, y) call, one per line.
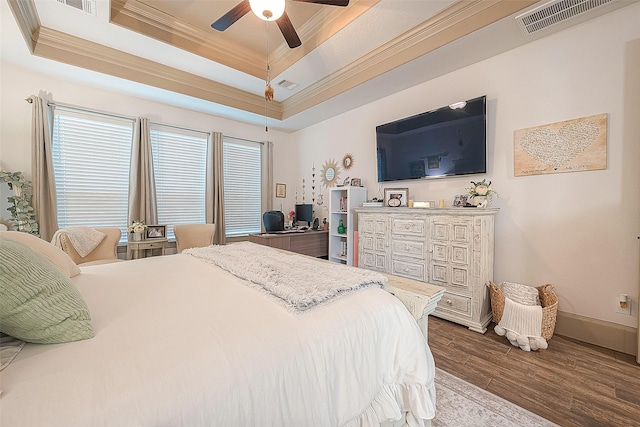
point(575, 230)
point(15, 118)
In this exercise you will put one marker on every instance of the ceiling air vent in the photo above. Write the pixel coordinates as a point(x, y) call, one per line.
point(88, 6)
point(287, 84)
point(554, 12)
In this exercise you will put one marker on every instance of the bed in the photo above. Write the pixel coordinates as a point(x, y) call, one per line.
point(180, 341)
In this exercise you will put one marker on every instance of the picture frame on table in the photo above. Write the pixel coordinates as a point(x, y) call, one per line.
point(281, 190)
point(156, 231)
point(396, 197)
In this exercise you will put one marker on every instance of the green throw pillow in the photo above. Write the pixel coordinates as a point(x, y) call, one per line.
point(38, 303)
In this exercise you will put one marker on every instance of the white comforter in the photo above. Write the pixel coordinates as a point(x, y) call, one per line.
point(182, 343)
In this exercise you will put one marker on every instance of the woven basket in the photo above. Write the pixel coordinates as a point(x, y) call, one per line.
point(548, 300)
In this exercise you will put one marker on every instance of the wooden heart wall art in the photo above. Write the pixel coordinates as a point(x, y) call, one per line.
point(569, 146)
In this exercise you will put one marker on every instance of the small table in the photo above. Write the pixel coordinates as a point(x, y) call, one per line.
point(134, 248)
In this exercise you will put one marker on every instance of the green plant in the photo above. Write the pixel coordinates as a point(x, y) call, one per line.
point(24, 217)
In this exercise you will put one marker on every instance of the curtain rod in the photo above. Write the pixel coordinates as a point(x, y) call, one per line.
point(74, 107)
point(181, 128)
point(83, 109)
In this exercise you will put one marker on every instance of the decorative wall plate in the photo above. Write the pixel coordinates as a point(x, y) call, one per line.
point(330, 173)
point(347, 161)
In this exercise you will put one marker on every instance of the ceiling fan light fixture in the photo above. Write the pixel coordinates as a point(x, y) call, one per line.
point(267, 10)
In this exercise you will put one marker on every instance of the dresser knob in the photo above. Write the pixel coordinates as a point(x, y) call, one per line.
point(449, 302)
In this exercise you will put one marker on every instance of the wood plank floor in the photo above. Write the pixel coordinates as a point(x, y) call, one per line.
point(571, 383)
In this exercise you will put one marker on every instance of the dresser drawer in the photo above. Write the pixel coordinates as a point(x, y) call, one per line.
point(411, 270)
point(410, 248)
point(408, 227)
point(456, 303)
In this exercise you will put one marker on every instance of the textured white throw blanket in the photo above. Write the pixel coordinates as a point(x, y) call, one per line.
point(525, 320)
point(83, 239)
point(522, 325)
point(299, 282)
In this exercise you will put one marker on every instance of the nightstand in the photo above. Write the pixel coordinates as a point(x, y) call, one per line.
point(134, 248)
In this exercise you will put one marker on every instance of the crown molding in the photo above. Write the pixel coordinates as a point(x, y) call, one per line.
point(62, 47)
point(138, 17)
point(452, 23)
point(458, 20)
point(26, 16)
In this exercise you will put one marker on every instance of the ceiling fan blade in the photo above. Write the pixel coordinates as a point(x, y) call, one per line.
point(341, 3)
point(287, 30)
point(232, 16)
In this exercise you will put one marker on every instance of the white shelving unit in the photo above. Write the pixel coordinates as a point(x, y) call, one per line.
point(342, 200)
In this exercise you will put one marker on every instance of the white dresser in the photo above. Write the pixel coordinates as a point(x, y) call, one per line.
point(448, 247)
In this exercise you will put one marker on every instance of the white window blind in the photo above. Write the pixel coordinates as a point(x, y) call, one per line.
point(179, 165)
point(242, 187)
point(91, 167)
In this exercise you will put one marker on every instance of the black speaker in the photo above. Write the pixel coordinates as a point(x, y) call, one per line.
point(273, 221)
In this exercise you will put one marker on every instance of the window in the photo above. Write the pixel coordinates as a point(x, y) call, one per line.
point(179, 166)
point(242, 187)
point(91, 166)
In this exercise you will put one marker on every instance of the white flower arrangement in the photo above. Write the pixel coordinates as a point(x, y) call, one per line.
point(137, 226)
point(481, 188)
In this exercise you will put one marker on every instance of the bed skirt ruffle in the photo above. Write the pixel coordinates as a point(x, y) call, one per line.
point(413, 403)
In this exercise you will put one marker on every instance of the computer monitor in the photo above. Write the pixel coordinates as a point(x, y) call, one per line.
point(304, 213)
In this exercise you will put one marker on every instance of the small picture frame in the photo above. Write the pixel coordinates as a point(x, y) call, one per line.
point(156, 231)
point(460, 201)
point(396, 197)
point(281, 190)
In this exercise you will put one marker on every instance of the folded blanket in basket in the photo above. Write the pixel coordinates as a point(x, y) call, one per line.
point(522, 324)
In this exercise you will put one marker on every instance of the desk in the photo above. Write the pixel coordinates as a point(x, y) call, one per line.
point(134, 248)
point(311, 242)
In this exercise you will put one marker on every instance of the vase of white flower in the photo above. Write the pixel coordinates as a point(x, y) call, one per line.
point(480, 193)
point(136, 230)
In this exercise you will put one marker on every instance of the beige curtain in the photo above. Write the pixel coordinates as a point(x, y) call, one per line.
point(142, 185)
point(266, 155)
point(44, 187)
point(214, 199)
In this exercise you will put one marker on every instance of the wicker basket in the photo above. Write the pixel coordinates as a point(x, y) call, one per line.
point(548, 300)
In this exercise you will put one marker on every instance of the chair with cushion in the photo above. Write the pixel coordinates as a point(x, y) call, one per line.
point(104, 252)
point(193, 235)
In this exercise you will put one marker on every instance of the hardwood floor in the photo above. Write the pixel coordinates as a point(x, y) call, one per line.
point(571, 383)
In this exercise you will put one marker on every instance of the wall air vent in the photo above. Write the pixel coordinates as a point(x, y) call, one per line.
point(554, 12)
point(88, 6)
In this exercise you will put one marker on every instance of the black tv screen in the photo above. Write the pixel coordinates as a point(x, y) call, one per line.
point(444, 142)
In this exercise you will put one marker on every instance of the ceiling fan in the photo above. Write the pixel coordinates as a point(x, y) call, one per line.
point(270, 10)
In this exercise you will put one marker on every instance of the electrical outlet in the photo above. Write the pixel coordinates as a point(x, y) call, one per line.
point(626, 310)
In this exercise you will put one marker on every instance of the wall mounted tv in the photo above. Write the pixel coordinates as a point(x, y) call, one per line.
point(444, 142)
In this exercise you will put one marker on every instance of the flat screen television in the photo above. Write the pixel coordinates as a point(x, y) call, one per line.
point(304, 213)
point(447, 141)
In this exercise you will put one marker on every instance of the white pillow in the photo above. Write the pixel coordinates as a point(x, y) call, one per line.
point(53, 254)
point(522, 294)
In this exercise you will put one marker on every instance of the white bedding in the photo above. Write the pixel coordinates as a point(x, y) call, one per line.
point(180, 342)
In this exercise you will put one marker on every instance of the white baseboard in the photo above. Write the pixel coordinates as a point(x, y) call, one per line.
point(598, 332)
